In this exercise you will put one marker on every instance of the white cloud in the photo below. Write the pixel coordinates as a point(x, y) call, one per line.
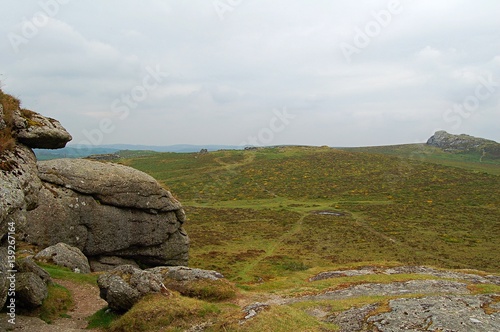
point(226, 76)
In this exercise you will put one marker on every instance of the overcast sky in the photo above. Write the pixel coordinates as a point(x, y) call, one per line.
point(262, 72)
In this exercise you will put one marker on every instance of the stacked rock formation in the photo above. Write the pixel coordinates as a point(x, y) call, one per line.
point(114, 214)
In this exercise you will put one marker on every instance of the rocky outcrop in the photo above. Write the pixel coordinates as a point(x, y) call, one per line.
point(65, 255)
point(434, 313)
point(111, 213)
point(38, 131)
point(21, 130)
point(464, 143)
point(108, 210)
point(125, 285)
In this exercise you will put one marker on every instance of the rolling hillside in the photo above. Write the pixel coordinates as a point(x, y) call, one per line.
point(271, 212)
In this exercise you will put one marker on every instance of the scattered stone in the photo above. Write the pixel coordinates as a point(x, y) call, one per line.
point(65, 255)
point(252, 310)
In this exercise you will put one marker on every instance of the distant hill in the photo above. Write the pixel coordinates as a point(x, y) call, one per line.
point(81, 151)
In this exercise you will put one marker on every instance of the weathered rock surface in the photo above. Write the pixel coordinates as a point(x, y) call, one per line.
point(393, 289)
point(125, 285)
point(108, 263)
point(125, 214)
point(434, 313)
point(62, 254)
point(111, 184)
point(183, 273)
point(19, 185)
point(38, 131)
point(30, 290)
point(369, 270)
point(31, 283)
point(27, 264)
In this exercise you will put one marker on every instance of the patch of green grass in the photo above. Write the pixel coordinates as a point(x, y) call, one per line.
point(175, 313)
point(209, 290)
point(58, 272)
point(471, 160)
point(57, 303)
point(102, 319)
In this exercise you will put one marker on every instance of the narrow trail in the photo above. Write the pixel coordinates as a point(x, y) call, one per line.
point(297, 227)
point(87, 302)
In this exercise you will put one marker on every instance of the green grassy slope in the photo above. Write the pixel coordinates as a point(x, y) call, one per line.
point(472, 160)
point(259, 215)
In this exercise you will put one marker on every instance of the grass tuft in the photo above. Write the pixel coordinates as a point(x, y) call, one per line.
point(57, 303)
point(102, 319)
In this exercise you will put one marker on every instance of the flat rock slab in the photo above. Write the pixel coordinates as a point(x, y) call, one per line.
point(475, 278)
point(391, 289)
point(455, 313)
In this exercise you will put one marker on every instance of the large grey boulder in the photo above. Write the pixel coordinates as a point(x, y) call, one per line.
point(126, 285)
point(27, 264)
point(123, 286)
point(111, 184)
point(30, 290)
point(19, 187)
point(107, 210)
point(19, 184)
point(38, 131)
point(62, 254)
point(31, 283)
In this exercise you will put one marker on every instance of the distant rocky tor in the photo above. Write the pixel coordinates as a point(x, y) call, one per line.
point(114, 214)
point(464, 143)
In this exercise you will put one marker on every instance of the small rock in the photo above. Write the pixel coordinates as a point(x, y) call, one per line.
point(65, 255)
